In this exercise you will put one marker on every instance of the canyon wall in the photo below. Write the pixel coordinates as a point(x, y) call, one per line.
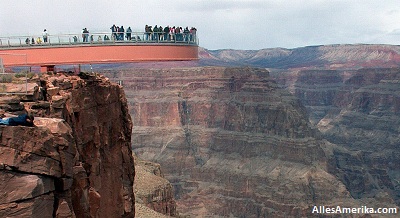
point(77, 161)
point(232, 142)
point(359, 111)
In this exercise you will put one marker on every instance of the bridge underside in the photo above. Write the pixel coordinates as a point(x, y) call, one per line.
point(49, 56)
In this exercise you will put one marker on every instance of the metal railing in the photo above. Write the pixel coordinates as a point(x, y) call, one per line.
point(98, 38)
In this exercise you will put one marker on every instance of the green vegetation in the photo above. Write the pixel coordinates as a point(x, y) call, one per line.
point(6, 78)
point(16, 77)
point(20, 74)
point(23, 74)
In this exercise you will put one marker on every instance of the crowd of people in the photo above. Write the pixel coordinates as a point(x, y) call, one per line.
point(118, 33)
point(158, 33)
point(170, 33)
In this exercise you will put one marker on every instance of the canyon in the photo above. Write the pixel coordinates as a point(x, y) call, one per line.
point(320, 126)
point(240, 142)
point(358, 111)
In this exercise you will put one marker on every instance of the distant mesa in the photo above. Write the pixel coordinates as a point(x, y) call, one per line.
point(324, 56)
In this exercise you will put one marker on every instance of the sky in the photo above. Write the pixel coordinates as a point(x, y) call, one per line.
point(221, 24)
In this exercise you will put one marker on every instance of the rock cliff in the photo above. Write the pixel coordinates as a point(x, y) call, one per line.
point(232, 142)
point(77, 161)
point(359, 111)
point(152, 190)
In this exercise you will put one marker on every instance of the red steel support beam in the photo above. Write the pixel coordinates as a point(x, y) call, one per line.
point(92, 54)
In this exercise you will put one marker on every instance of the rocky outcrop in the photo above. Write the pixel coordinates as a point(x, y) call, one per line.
point(77, 162)
point(232, 142)
point(152, 190)
point(36, 169)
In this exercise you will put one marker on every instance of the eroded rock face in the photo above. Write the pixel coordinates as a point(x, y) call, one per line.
point(359, 111)
point(98, 114)
point(152, 189)
point(77, 162)
point(231, 141)
point(36, 168)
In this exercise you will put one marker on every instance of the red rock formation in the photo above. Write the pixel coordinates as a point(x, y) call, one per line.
point(78, 166)
point(36, 168)
point(152, 190)
point(232, 141)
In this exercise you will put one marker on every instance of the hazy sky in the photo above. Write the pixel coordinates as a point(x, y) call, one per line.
point(221, 24)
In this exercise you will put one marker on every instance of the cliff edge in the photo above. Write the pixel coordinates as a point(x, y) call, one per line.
point(77, 161)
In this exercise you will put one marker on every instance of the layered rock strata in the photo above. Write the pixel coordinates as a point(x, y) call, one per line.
point(232, 142)
point(359, 111)
point(77, 162)
point(152, 190)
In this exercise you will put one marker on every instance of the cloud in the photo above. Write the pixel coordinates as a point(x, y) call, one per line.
point(221, 5)
point(237, 24)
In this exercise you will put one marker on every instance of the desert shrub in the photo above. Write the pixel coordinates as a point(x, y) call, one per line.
point(6, 78)
point(22, 74)
point(19, 75)
point(31, 75)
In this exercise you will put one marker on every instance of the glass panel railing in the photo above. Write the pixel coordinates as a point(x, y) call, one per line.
point(98, 38)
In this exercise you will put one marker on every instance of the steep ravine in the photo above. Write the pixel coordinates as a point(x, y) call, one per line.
point(359, 111)
point(233, 143)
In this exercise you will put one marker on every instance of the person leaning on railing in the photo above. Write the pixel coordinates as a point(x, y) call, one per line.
point(186, 33)
point(193, 31)
point(129, 34)
point(113, 32)
point(121, 32)
point(85, 35)
point(172, 33)
point(166, 33)
point(45, 35)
